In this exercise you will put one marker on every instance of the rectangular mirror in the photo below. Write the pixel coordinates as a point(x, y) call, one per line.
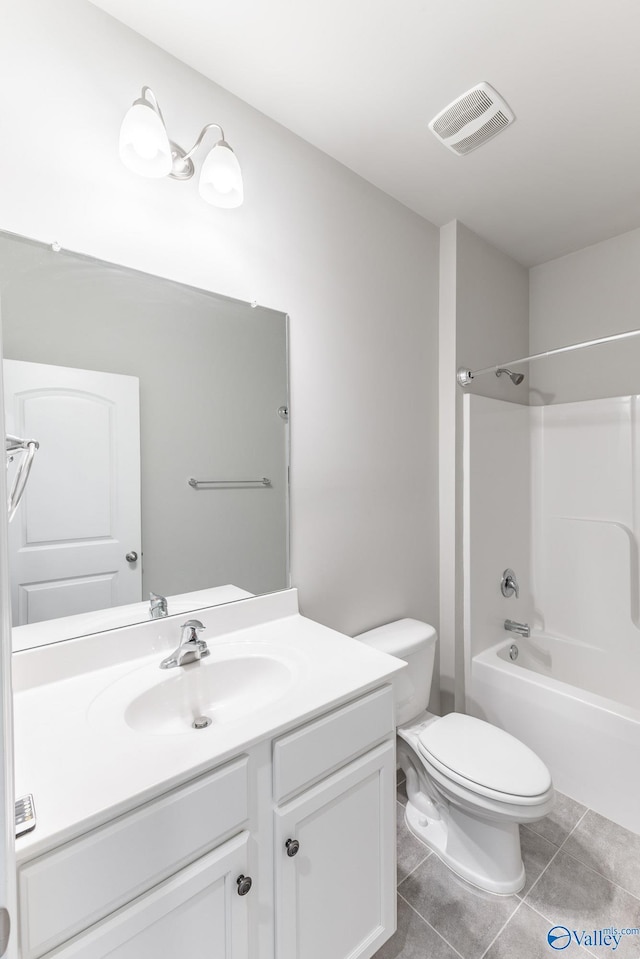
point(161, 413)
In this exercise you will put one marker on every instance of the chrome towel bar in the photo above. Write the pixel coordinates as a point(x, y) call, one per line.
point(227, 484)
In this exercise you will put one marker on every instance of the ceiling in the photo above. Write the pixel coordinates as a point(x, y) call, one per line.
point(360, 80)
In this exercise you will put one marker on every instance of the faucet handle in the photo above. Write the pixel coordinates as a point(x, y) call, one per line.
point(509, 584)
point(157, 605)
point(190, 630)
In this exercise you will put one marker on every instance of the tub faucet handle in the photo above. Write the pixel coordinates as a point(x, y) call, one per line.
point(509, 584)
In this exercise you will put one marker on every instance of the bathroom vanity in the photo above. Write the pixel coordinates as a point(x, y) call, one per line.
point(269, 832)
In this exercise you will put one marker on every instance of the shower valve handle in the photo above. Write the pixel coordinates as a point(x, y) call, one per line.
point(509, 584)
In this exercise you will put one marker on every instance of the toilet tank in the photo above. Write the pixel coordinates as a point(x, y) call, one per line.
point(415, 642)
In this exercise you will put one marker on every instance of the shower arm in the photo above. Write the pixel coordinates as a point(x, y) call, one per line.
point(465, 376)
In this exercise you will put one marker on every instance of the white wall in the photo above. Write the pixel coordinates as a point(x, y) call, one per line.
point(594, 292)
point(356, 271)
point(483, 321)
point(492, 314)
point(497, 524)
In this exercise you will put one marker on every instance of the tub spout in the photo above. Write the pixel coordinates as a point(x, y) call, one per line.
point(522, 629)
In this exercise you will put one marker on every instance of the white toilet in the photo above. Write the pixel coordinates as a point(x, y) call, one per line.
point(469, 783)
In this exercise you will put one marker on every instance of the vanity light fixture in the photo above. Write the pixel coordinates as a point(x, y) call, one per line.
point(145, 148)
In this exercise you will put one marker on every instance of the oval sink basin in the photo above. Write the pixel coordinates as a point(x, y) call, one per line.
point(224, 687)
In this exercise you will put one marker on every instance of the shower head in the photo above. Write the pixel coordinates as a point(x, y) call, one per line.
point(516, 378)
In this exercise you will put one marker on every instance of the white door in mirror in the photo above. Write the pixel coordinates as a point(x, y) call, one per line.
point(80, 515)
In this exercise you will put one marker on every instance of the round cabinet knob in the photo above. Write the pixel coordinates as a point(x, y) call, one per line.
point(244, 885)
point(292, 847)
point(132, 557)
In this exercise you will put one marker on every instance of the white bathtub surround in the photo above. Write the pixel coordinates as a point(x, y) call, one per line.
point(571, 521)
point(585, 533)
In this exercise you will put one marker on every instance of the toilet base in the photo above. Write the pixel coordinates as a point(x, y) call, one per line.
point(485, 854)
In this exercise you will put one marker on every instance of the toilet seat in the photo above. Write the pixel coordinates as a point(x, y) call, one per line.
point(484, 759)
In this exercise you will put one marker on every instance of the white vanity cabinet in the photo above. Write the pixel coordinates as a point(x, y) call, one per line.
point(285, 852)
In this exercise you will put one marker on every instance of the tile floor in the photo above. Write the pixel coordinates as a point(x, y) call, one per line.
point(583, 872)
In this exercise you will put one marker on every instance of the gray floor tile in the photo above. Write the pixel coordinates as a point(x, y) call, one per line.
point(558, 824)
point(467, 918)
point(572, 895)
point(411, 851)
point(609, 849)
point(525, 937)
point(572, 890)
point(536, 855)
point(414, 939)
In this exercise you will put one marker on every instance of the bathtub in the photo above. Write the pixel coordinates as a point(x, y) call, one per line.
point(578, 710)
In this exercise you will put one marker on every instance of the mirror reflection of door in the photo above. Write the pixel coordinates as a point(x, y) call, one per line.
point(80, 514)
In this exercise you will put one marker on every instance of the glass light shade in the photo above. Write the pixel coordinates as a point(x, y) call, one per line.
point(144, 144)
point(221, 178)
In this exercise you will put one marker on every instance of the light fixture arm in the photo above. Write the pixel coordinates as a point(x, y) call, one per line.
point(149, 98)
point(203, 133)
point(183, 168)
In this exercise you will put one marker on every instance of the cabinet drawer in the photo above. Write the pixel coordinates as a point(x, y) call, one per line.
point(85, 880)
point(323, 745)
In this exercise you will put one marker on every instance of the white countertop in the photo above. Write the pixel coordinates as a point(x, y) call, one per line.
point(84, 769)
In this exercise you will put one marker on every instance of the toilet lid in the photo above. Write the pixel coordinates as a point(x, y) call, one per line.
point(485, 755)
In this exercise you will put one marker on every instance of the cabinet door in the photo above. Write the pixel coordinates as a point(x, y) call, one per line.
point(198, 914)
point(335, 898)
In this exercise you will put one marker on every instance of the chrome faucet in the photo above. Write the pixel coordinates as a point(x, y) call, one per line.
point(157, 606)
point(521, 628)
point(191, 649)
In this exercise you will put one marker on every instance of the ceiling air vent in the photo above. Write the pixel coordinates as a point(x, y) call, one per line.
point(472, 119)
